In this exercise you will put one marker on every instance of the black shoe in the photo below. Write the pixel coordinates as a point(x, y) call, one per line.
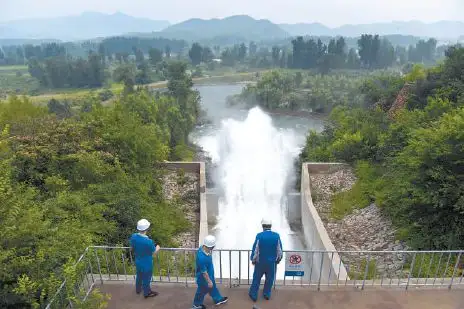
point(151, 294)
point(266, 297)
point(222, 301)
point(251, 297)
point(138, 292)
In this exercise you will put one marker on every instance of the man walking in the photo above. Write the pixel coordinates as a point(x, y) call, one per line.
point(144, 250)
point(205, 275)
point(266, 253)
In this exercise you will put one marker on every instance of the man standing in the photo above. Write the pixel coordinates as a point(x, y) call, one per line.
point(205, 275)
point(144, 250)
point(266, 253)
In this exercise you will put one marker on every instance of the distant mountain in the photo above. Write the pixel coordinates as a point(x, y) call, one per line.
point(240, 27)
point(313, 29)
point(85, 26)
point(441, 29)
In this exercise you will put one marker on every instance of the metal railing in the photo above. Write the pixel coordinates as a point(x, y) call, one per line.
point(359, 269)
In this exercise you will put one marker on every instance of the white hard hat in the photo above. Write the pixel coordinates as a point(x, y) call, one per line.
point(143, 225)
point(210, 241)
point(266, 221)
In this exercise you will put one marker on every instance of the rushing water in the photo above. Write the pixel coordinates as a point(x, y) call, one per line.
point(254, 154)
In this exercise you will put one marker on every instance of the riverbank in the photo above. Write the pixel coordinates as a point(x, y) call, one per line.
point(365, 229)
point(294, 113)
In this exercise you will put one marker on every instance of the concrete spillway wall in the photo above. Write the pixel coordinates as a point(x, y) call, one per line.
point(315, 234)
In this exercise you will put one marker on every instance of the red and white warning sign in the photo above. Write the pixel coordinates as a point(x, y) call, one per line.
point(294, 264)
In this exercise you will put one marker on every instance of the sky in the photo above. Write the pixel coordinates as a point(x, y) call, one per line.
point(329, 12)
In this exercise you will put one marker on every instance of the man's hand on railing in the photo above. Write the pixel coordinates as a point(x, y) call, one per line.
point(156, 250)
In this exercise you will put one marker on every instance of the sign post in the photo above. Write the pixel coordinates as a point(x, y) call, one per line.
point(294, 264)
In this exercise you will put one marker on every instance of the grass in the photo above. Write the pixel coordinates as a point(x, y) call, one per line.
point(359, 196)
point(359, 273)
point(430, 265)
point(13, 68)
point(74, 94)
point(13, 83)
point(344, 203)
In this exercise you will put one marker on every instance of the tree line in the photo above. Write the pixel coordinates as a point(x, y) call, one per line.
point(123, 46)
point(372, 52)
point(61, 71)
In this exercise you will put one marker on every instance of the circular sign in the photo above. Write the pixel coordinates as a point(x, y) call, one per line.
point(295, 259)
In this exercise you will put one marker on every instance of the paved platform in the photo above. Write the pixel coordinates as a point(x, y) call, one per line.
point(176, 297)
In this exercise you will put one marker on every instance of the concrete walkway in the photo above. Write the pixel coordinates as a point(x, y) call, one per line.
point(175, 297)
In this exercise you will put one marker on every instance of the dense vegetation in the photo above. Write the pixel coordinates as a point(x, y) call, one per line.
point(406, 142)
point(76, 176)
point(62, 72)
point(302, 91)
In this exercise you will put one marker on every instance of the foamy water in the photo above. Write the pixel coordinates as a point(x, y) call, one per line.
point(255, 160)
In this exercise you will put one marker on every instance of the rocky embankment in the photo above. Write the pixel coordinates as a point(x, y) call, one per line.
point(184, 187)
point(365, 229)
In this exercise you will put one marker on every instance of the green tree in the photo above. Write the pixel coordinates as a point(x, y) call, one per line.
point(207, 55)
point(167, 51)
point(143, 74)
point(125, 74)
point(353, 61)
point(253, 48)
point(155, 56)
point(196, 53)
point(242, 52)
point(275, 55)
point(369, 47)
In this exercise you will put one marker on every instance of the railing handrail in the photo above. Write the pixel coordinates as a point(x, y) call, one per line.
point(359, 273)
point(296, 250)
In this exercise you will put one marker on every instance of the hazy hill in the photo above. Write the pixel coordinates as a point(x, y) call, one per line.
point(441, 29)
point(85, 26)
point(240, 26)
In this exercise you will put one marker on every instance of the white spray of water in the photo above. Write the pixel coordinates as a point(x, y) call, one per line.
point(254, 161)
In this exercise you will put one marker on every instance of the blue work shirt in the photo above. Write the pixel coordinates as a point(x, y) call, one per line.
point(267, 247)
point(143, 248)
point(204, 264)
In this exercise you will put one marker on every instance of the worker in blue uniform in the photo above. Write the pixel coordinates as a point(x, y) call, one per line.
point(205, 275)
point(144, 250)
point(265, 255)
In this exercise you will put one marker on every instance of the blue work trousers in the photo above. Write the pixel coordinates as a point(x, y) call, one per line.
point(265, 268)
point(142, 281)
point(202, 290)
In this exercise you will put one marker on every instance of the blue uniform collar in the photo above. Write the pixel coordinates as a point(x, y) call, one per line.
point(143, 235)
point(206, 253)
